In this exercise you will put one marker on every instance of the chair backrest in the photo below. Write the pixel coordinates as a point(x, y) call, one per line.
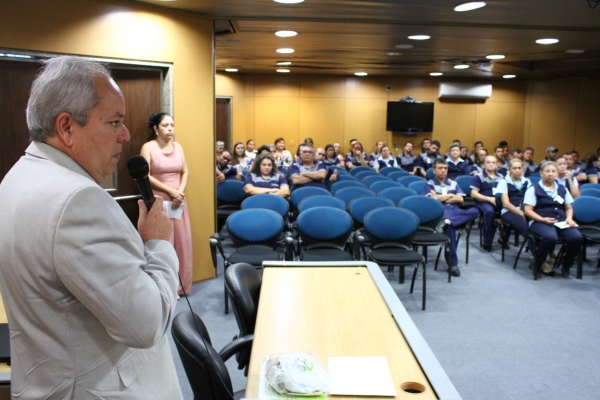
point(428, 210)
point(346, 177)
point(534, 179)
point(379, 186)
point(325, 224)
point(406, 180)
point(397, 194)
point(242, 282)
point(363, 174)
point(344, 184)
point(267, 201)
point(465, 183)
point(429, 174)
point(397, 174)
point(535, 174)
point(321, 201)
point(255, 226)
point(586, 210)
point(230, 192)
point(205, 370)
point(360, 206)
point(374, 178)
point(417, 186)
point(350, 193)
point(299, 194)
point(585, 190)
point(360, 168)
point(388, 170)
point(391, 224)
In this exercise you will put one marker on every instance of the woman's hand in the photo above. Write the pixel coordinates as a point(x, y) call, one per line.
point(548, 220)
point(177, 195)
point(570, 223)
point(175, 204)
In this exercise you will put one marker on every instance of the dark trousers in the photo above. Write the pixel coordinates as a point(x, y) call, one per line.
point(549, 234)
point(458, 217)
point(487, 214)
point(517, 222)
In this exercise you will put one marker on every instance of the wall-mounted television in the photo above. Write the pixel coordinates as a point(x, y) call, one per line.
point(409, 117)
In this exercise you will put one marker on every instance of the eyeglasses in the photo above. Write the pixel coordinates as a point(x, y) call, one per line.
point(227, 159)
point(307, 152)
point(320, 154)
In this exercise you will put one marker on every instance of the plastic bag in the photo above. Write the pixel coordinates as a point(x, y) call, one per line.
point(296, 374)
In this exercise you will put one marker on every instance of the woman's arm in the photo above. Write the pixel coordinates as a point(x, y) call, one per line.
point(155, 183)
point(479, 197)
point(283, 191)
point(509, 206)
point(531, 214)
point(252, 190)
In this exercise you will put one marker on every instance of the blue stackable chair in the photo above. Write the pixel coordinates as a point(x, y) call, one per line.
point(364, 173)
point(300, 194)
point(346, 177)
point(391, 231)
point(350, 193)
point(359, 169)
point(465, 184)
point(381, 185)
point(359, 207)
point(230, 194)
point(398, 174)
point(406, 180)
point(367, 180)
point(535, 179)
point(344, 184)
point(417, 186)
point(389, 170)
point(324, 233)
point(397, 194)
point(429, 174)
point(587, 190)
point(586, 212)
point(321, 201)
point(269, 202)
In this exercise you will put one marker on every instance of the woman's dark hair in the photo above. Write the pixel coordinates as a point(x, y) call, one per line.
point(308, 140)
point(259, 159)
point(248, 141)
point(262, 148)
point(358, 143)
point(330, 146)
point(235, 159)
point(155, 120)
point(279, 139)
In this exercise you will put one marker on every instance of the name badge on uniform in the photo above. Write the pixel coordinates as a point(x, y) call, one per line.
point(558, 199)
point(428, 160)
point(494, 190)
point(444, 190)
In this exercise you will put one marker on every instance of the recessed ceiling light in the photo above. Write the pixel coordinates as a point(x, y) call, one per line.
point(461, 66)
point(286, 33)
point(495, 57)
point(473, 5)
point(231, 69)
point(404, 46)
point(284, 63)
point(288, 1)
point(285, 51)
point(283, 71)
point(509, 76)
point(436, 74)
point(361, 74)
point(547, 41)
point(393, 53)
point(575, 51)
point(418, 37)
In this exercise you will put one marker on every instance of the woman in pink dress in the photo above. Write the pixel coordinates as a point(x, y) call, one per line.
point(169, 178)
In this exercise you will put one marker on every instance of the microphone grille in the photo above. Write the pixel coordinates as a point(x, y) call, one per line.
point(137, 166)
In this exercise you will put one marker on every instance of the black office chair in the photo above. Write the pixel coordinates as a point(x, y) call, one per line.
point(242, 282)
point(204, 367)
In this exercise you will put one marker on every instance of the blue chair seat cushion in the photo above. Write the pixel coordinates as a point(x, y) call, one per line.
point(255, 255)
point(326, 255)
point(395, 256)
point(430, 238)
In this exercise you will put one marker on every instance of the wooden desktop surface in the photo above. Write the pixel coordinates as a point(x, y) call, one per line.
point(331, 312)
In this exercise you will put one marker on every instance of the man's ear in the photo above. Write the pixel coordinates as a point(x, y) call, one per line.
point(63, 126)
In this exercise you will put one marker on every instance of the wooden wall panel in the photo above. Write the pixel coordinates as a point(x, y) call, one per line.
point(508, 91)
point(277, 117)
point(322, 119)
point(496, 122)
point(587, 138)
point(552, 124)
point(234, 86)
point(419, 89)
point(277, 86)
point(366, 88)
point(250, 110)
point(322, 86)
point(554, 91)
point(365, 121)
point(454, 121)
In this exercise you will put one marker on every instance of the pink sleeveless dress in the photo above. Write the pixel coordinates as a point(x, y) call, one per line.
point(166, 167)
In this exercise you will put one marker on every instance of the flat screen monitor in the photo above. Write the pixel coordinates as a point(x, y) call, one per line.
point(409, 117)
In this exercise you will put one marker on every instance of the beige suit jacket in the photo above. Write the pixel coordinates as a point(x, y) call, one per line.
point(89, 304)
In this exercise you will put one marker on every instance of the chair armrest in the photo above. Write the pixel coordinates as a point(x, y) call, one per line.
point(234, 347)
point(289, 248)
point(215, 243)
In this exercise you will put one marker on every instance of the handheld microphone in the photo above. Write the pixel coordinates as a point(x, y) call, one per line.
point(137, 166)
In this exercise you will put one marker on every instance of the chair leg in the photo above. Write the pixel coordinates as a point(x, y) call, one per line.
point(412, 282)
point(580, 263)
point(424, 287)
point(519, 253)
point(401, 276)
point(226, 300)
point(437, 259)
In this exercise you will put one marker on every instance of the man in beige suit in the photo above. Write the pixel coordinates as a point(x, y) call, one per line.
point(89, 299)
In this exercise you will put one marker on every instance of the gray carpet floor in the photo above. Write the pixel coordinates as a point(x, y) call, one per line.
point(497, 333)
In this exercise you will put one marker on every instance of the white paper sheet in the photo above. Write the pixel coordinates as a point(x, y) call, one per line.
point(177, 213)
point(360, 376)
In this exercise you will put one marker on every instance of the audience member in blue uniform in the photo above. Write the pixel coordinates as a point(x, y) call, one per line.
point(476, 147)
point(451, 196)
point(547, 203)
point(356, 157)
point(464, 154)
point(264, 178)
point(225, 168)
point(551, 153)
point(483, 190)
point(308, 172)
point(373, 156)
point(478, 167)
point(564, 177)
point(512, 190)
point(426, 158)
point(456, 165)
point(384, 160)
point(338, 153)
point(331, 159)
point(529, 166)
point(406, 160)
point(321, 157)
point(502, 164)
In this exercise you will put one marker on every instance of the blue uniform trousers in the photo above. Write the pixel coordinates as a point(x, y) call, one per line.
point(458, 217)
point(549, 235)
point(517, 222)
point(489, 229)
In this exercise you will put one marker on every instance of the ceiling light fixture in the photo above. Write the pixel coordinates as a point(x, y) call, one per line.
point(288, 1)
point(418, 37)
point(509, 76)
point(284, 63)
point(361, 74)
point(283, 71)
point(436, 74)
point(473, 5)
point(404, 46)
point(231, 69)
point(575, 51)
point(286, 33)
point(495, 57)
point(393, 53)
point(547, 41)
point(461, 66)
point(285, 51)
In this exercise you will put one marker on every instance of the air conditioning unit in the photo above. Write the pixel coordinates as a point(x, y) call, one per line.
point(473, 91)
